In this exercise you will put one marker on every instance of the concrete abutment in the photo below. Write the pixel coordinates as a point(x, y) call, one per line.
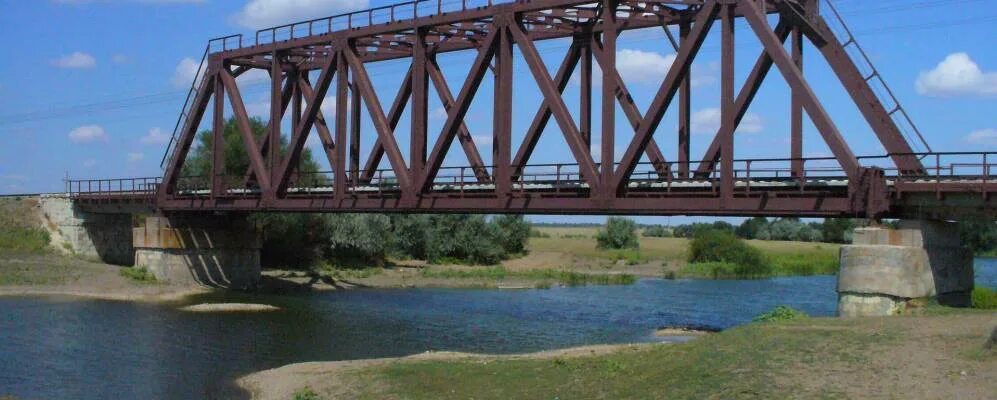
point(883, 269)
point(209, 250)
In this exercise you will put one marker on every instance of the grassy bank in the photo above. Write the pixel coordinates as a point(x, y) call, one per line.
point(931, 356)
point(19, 231)
point(542, 277)
point(669, 256)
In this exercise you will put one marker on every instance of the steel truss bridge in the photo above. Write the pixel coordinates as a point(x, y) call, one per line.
point(310, 60)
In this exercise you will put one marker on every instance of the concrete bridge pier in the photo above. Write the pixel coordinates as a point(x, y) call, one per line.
point(883, 269)
point(211, 250)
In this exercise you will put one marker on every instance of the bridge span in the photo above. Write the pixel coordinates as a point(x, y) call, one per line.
point(327, 58)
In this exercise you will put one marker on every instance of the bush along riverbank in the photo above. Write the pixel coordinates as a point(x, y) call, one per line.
point(718, 254)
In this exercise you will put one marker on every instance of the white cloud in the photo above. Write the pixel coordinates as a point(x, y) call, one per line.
point(79, 2)
point(482, 140)
point(89, 163)
point(638, 66)
point(438, 113)
point(707, 121)
point(259, 14)
point(133, 157)
point(183, 75)
point(982, 136)
point(87, 134)
point(77, 60)
point(956, 75)
point(155, 136)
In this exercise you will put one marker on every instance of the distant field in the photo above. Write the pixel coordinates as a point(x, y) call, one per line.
point(580, 242)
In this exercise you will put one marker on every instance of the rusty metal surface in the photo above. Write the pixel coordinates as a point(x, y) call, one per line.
point(340, 48)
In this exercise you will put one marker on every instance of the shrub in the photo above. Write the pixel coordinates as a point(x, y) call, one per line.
point(984, 298)
point(408, 235)
point(513, 232)
point(291, 240)
point(619, 233)
point(357, 240)
point(656, 231)
point(780, 313)
point(139, 274)
point(723, 247)
point(463, 239)
point(305, 393)
point(750, 228)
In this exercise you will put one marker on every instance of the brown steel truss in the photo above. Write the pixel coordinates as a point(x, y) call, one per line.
point(304, 68)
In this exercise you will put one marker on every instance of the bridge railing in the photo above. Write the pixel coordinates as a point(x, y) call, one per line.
point(113, 187)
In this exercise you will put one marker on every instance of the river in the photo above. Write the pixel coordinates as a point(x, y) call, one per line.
point(69, 348)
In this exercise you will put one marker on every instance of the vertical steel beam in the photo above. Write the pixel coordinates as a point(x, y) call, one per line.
point(246, 130)
point(420, 104)
point(607, 154)
point(652, 118)
point(295, 114)
point(502, 122)
point(685, 111)
point(342, 91)
point(300, 134)
point(796, 109)
point(354, 167)
point(835, 142)
point(727, 104)
point(276, 115)
point(218, 140)
point(585, 92)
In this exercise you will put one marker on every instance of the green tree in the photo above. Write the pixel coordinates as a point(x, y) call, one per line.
point(718, 246)
point(463, 238)
point(357, 240)
point(838, 230)
point(619, 233)
point(980, 235)
point(750, 228)
point(514, 231)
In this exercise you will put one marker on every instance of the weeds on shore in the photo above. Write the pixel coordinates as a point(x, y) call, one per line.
point(568, 278)
point(138, 274)
point(305, 393)
point(984, 298)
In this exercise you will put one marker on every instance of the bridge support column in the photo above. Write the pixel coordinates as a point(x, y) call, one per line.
point(208, 250)
point(883, 268)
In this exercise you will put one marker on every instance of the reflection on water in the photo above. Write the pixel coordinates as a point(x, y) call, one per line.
point(60, 348)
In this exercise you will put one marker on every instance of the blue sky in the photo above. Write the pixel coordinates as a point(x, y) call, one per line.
point(92, 87)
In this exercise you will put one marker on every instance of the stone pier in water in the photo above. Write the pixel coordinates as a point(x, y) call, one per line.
point(883, 269)
point(218, 251)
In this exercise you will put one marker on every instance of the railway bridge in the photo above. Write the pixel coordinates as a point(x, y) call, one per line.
point(195, 217)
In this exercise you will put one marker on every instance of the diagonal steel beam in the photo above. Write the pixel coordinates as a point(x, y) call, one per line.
point(542, 116)
point(463, 134)
point(321, 125)
point(300, 133)
point(246, 130)
point(456, 114)
point(553, 99)
point(384, 130)
point(654, 154)
point(188, 135)
point(264, 144)
point(744, 98)
point(680, 67)
point(794, 77)
point(394, 115)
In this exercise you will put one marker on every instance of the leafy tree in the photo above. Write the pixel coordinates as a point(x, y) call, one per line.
point(619, 233)
point(463, 238)
point(656, 231)
point(718, 246)
point(408, 235)
point(838, 230)
point(980, 235)
point(357, 239)
point(514, 231)
point(750, 227)
point(785, 229)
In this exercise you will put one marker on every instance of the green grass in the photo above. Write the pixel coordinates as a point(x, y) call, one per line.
point(984, 298)
point(781, 313)
point(305, 393)
point(545, 276)
point(138, 274)
point(20, 232)
point(738, 363)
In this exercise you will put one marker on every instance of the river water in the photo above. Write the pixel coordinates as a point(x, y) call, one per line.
point(67, 348)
